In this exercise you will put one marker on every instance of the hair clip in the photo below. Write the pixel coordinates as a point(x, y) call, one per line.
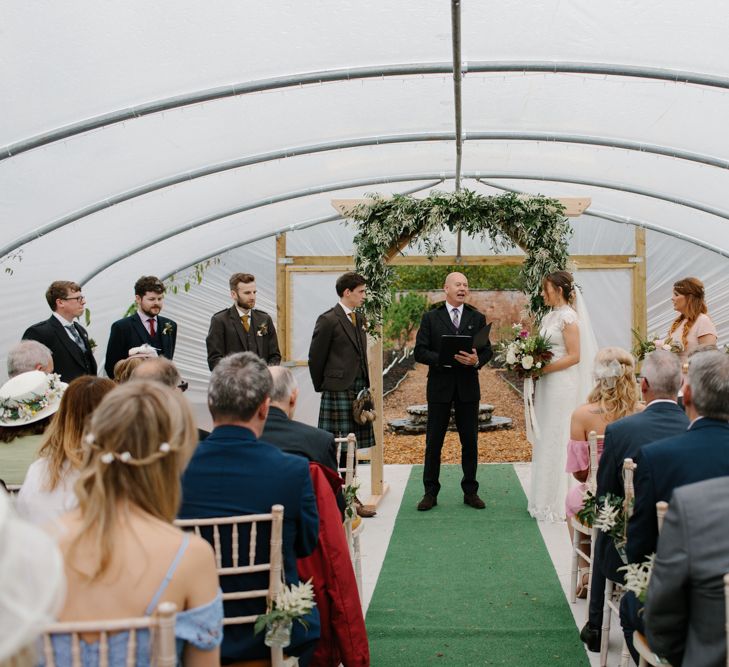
point(164, 447)
point(89, 439)
point(107, 457)
point(125, 457)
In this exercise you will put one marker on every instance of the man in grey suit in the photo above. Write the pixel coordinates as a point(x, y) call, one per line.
point(660, 382)
point(685, 610)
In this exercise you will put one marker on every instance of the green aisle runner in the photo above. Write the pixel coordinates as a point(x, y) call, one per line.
point(463, 587)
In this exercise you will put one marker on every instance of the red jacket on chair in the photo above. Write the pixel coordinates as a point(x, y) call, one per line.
point(343, 633)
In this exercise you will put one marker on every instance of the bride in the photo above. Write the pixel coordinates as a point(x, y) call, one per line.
point(564, 385)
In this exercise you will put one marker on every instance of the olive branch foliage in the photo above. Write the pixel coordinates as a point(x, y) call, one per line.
point(536, 224)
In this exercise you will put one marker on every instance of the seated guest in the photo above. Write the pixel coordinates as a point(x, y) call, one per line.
point(123, 555)
point(660, 381)
point(685, 611)
point(124, 368)
point(294, 437)
point(699, 454)
point(233, 472)
point(32, 585)
point(47, 491)
point(29, 355)
point(27, 403)
point(614, 395)
point(163, 370)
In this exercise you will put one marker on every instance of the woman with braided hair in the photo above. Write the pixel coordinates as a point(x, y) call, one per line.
point(122, 554)
point(693, 326)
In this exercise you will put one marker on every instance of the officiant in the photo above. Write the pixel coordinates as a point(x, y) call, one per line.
point(452, 383)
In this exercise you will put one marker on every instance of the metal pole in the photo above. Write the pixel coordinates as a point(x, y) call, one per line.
point(458, 101)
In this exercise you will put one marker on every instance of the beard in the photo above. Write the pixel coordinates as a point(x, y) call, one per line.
point(153, 312)
point(245, 305)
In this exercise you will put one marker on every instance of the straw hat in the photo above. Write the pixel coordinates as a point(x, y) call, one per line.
point(32, 581)
point(30, 397)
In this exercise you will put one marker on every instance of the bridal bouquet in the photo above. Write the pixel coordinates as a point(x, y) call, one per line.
point(527, 354)
point(644, 346)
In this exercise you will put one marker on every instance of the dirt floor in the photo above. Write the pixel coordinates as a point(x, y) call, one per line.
point(495, 447)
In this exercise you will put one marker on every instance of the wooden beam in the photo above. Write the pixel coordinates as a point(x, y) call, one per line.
point(640, 301)
point(376, 454)
point(574, 206)
point(282, 299)
point(343, 262)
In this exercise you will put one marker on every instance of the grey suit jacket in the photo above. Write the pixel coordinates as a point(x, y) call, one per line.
point(685, 613)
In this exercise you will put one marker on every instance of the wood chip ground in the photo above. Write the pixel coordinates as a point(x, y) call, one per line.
point(497, 447)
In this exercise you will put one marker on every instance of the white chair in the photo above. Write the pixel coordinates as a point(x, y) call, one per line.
point(583, 542)
point(161, 627)
point(353, 534)
point(647, 656)
point(726, 612)
point(613, 591)
point(274, 566)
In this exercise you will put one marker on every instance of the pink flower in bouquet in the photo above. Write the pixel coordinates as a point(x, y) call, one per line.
point(524, 333)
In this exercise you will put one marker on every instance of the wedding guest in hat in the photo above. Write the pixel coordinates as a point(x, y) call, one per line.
point(29, 355)
point(27, 403)
point(124, 368)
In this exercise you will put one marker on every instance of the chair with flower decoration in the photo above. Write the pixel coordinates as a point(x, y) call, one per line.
point(210, 530)
point(583, 546)
point(353, 525)
point(614, 591)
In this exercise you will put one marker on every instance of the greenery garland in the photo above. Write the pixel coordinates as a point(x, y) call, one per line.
point(536, 224)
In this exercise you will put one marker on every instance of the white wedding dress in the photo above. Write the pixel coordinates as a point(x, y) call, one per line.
point(556, 396)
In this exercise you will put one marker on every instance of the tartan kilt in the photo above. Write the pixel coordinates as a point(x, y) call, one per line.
point(335, 415)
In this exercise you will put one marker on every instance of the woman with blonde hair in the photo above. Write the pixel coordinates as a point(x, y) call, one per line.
point(123, 555)
point(614, 395)
point(47, 491)
point(693, 326)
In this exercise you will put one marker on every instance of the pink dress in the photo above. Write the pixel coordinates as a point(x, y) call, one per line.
point(701, 327)
point(578, 458)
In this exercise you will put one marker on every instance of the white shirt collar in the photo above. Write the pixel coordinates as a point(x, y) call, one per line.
point(62, 319)
point(661, 400)
point(346, 310)
point(452, 308)
point(242, 312)
point(146, 318)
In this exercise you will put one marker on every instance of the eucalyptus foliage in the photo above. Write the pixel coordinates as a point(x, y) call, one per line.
point(536, 224)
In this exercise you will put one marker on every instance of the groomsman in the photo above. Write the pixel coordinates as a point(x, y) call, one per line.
point(62, 335)
point(338, 365)
point(145, 326)
point(455, 386)
point(242, 327)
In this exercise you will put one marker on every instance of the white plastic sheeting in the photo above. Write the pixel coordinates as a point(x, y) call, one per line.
point(159, 191)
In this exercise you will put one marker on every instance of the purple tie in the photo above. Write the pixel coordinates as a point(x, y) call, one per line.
point(455, 318)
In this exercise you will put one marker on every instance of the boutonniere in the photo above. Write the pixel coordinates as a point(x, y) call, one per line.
point(167, 329)
point(262, 330)
point(92, 344)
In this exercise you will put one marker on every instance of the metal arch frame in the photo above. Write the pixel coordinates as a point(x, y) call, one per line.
point(286, 196)
point(249, 160)
point(357, 73)
point(604, 215)
point(621, 219)
point(406, 177)
point(437, 177)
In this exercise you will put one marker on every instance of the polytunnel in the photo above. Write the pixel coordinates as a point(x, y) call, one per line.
point(143, 138)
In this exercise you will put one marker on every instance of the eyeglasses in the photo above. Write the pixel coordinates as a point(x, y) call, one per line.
point(78, 299)
point(183, 386)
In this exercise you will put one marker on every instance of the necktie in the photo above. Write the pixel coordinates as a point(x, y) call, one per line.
point(245, 321)
point(353, 318)
point(455, 317)
point(75, 335)
point(152, 332)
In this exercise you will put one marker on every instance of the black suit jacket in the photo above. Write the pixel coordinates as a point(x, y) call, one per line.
point(624, 439)
point(338, 351)
point(69, 361)
point(699, 454)
point(227, 335)
point(295, 437)
point(458, 382)
point(129, 332)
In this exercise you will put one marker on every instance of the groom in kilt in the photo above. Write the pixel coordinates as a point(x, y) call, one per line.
point(338, 364)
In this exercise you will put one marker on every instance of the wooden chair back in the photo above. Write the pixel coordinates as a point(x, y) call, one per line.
point(629, 468)
point(595, 444)
point(242, 564)
point(161, 627)
point(661, 509)
point(726, 602)
point(351, 441)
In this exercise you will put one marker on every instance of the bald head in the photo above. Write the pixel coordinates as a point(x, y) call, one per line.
point(455, 288)
point(158, 369)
